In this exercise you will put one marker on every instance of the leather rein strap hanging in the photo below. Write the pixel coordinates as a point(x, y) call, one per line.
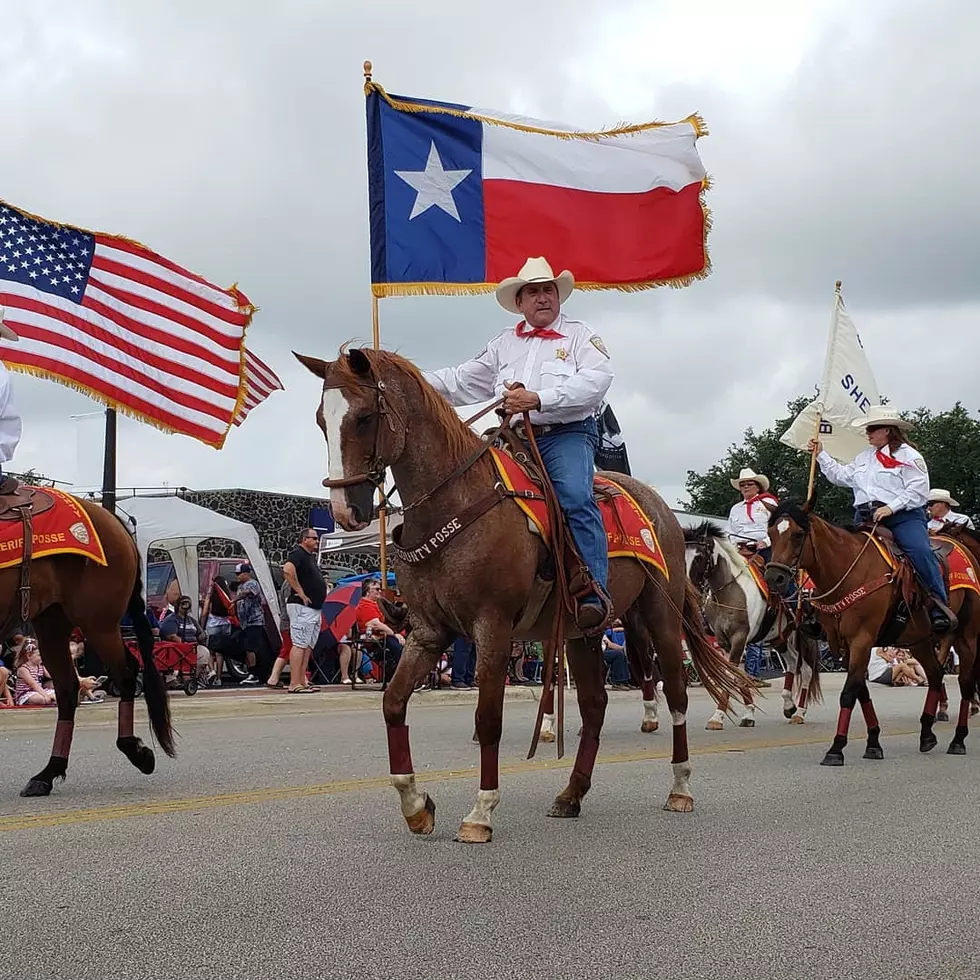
point(26, 515)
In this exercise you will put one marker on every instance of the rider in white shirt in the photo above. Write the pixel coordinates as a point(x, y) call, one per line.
point(748, 520)
point(940, 509)
point(890, 481)
point(558, 370)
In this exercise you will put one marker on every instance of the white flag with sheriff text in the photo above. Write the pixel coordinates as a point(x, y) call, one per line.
point(847, 391)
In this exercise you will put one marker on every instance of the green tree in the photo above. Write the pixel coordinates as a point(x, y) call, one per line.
point(788, 470)
point(33, 478)
point(949, 441)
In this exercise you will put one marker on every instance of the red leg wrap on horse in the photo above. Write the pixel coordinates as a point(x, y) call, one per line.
point(649, 690)
point(788, 681)
point(803, 696)
point(588, 748)
point(964, 720)
point(125, 719)
point(680, 753)
point(869, 714)
point(62, 738)
point(844, 721)
point(932, 702)
point(399, 752)
point(489, 769)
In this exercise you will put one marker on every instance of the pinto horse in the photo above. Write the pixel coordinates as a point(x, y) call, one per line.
point(858, 595)
point(68, 591)
point(736, 611)
point(467, 561)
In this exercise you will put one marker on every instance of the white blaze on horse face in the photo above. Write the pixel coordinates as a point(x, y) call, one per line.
point(335, 406)
point(783, 526)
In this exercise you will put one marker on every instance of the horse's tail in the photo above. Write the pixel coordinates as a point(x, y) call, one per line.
point(154, 689)
point(809, 651)
point(722, 679)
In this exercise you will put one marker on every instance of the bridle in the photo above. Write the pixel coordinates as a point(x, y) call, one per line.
point(374, 475)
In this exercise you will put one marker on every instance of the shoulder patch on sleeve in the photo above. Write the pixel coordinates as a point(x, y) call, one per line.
point(921, 464)
point(596, 341)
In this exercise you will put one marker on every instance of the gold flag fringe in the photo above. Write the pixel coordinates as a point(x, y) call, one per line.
point(383, 289)
point(623, 129)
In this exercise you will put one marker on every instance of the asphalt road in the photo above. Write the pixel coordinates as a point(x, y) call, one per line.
point(274, 847)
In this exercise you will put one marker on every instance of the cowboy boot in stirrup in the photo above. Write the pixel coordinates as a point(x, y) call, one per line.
point(943, 618)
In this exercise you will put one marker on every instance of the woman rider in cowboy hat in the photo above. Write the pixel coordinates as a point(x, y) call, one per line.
point(748, 520)
point(891, 486)
point(940, 506)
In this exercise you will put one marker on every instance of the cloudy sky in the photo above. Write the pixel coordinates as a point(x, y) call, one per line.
point(229, 136)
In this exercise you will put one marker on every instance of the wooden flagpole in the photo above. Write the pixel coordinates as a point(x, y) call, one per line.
point(376, 341)
point(816, 430)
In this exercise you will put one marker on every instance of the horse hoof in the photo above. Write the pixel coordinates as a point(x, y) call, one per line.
point(833, 759)
point(715, 726)
point(145, 760)
point(547, 737)
point(956, 748)
point(423, 822)
point(797, 720)
point(679, 803)
point(474, 833)
point(789, 712)
point(565, 808)
point(927, 743)
point(649, 726)
point(747, 723)
point(942, 715)
point(874, 752)
point(36, 787)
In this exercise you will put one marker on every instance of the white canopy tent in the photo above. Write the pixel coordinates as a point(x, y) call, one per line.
point(177, 526)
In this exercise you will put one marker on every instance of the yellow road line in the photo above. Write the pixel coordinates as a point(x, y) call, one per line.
point(273, 794)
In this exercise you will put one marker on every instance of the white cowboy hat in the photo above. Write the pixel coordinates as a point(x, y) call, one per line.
point(534, 270)
point(750, 474)
point(5, 332)
point(942, 497)
point(882, 415)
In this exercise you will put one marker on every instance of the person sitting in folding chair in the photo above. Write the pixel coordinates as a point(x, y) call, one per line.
point(382, 644)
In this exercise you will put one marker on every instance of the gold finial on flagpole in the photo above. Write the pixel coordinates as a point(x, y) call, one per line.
point(368, 69)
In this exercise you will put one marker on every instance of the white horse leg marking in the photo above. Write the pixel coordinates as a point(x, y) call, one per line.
point(682, 779)
point(486, 803)
point(748, 719)
point(334, 406)
point(716, 722)
point(411, 799)
point(650, 720)
point(681, 799)
point(548, 728)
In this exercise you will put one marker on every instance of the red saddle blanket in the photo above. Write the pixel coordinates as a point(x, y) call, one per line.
point(65, 529)
point(961, 572)
point(629, 532)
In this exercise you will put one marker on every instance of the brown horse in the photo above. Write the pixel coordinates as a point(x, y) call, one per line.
point(467, 565)
point(68, 591)
point(858, 596)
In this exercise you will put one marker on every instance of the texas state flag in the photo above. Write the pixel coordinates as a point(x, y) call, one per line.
point(461, 196)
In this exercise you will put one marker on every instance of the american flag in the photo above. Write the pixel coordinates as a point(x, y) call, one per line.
point(109, 317)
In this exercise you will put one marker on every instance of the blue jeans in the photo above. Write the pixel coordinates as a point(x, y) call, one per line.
point(910, 528)
point(568, 453)
point(753, 659)
point(463, 664)
point(619, 668)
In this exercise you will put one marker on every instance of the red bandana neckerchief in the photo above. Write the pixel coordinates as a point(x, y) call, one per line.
point(765, 495)
point(528, 333)
point(889, 462)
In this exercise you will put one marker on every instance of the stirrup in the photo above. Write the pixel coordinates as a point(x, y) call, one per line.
point(606, 607)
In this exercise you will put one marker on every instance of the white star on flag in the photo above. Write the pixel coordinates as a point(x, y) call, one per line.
point(434, 185)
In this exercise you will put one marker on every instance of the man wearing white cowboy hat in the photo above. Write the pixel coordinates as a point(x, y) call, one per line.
point(890, 481)
point(940, 508)
point(558, 370)
point(748, 520)
point(11, 427)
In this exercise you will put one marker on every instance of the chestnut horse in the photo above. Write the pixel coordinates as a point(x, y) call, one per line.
point(68, 591)
point(467, 562)
point(737, 610)
point(857, 597)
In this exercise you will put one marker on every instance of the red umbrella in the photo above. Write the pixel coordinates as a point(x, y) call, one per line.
point(339, 609)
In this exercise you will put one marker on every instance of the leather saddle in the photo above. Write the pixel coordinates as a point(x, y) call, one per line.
point(941, 549)
point(14, 496)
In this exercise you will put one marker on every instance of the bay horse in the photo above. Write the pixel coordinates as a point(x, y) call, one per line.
point(466, 563)
point(68, 591)
point(736, 610)
point(858, 596)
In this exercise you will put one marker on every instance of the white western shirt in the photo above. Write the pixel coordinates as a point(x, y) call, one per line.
point(10, 424)
point(570, 374)
point(748, 520)
point(951, 517)
point(903, 487)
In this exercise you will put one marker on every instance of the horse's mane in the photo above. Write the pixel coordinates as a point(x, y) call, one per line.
point(460, 439)
point(708, 529)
